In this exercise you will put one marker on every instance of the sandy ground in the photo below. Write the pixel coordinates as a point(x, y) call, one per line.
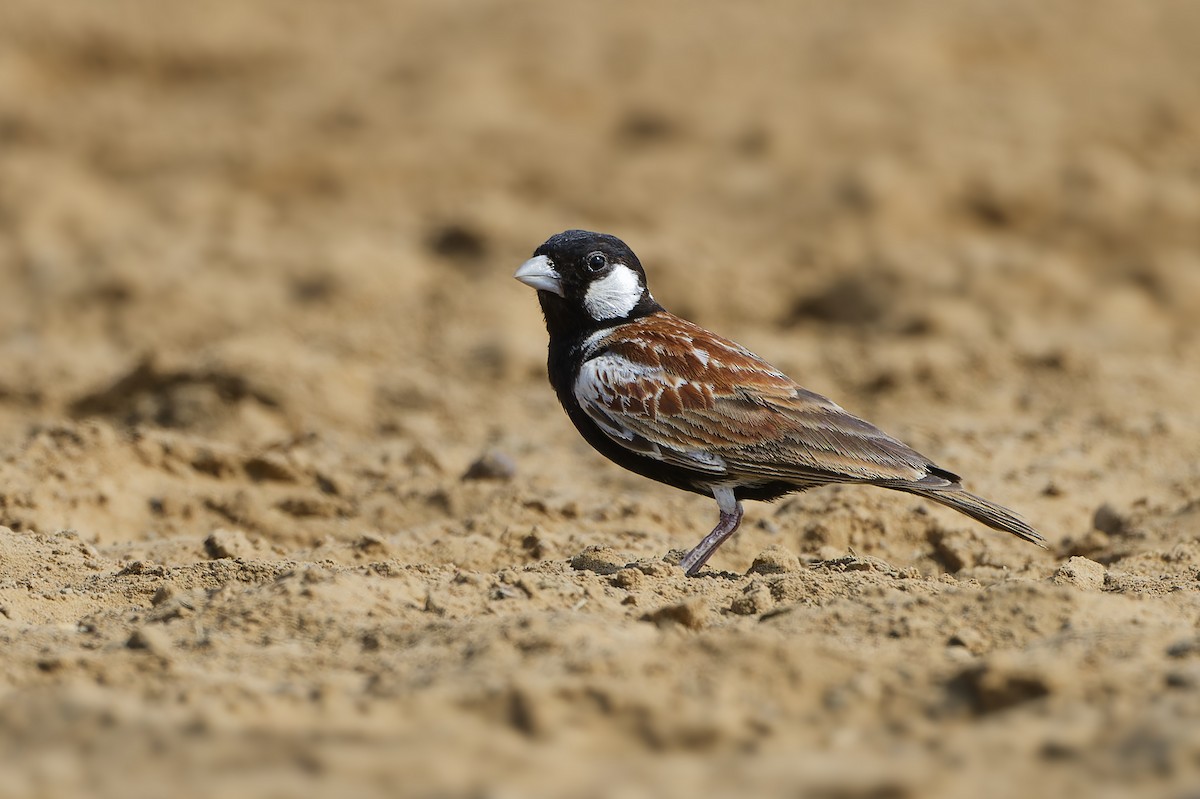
point(259, 322)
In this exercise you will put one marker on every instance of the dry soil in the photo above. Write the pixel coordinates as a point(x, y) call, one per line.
point(259, 324)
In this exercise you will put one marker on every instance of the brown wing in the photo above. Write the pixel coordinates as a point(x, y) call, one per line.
point(668, 388)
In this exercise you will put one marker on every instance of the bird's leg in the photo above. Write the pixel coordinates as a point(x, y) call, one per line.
point(731, 517)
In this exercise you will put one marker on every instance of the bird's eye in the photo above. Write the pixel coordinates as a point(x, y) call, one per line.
point(596, 261)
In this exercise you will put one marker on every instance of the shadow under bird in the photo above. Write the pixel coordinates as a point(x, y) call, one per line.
point(669, 400)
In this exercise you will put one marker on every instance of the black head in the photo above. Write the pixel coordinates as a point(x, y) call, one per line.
point(587, 280)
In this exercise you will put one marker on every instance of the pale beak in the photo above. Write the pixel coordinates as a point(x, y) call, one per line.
point(538, 272)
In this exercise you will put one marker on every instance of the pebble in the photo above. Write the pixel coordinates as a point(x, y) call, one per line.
point(690, 614)
point(492, 465)
point(598, 559)
point(228, 544)
point(1081, 573)
point(149, 639)
point(1106, 519)
point(774, 560)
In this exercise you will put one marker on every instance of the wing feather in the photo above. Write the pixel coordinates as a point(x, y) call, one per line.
point(671, 389)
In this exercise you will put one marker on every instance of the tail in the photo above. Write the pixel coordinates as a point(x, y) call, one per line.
point(982, 510)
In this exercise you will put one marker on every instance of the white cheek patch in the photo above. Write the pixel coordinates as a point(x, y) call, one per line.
point(613, 295)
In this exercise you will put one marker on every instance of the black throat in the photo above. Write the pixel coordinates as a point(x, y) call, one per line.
point(568, 325)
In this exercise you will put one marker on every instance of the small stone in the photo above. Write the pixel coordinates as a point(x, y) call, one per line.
point(774, 560)
point(165, 592)
point(146, 567)
point(958, 552)
point(598, 559)
point(150, 639)
point(491, 465)
point(171, 603)
point(1107, 520)
point(308, 507)
point(1185, 648)
point(270, 467)
point(421, 459)
point(228, 544)
point(1187, 677)
point(1000, 684)
point(534, 546)
point(629, 579)
point(1081, 573)
point(459, 242)
point(531, 587)
point(968, 639)
point(755, 599)
point(527, 711)
point(661, 568)
point(314, 573)
point(372, 544)
point(690, 613)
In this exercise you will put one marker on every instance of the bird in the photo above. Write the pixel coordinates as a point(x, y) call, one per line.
point(669, 400)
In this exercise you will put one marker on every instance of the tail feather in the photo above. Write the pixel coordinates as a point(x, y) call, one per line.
point(982, 510)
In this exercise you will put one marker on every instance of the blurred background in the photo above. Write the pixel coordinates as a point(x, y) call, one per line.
point(256, 266)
